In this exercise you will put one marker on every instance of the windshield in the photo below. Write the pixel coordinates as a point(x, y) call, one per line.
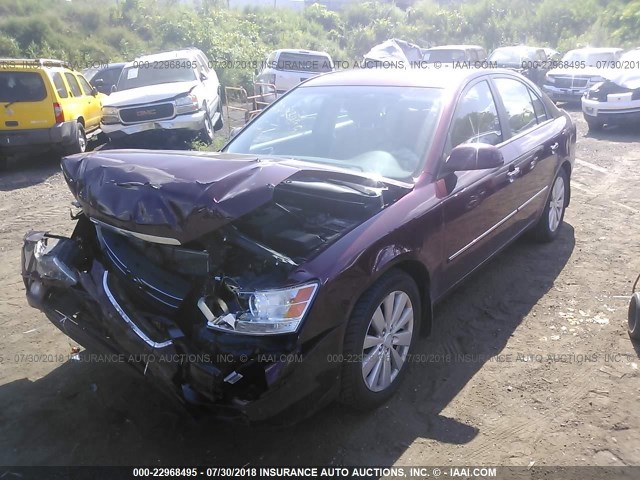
point(511, 56)
point(631, 56)
point(155, 73)
point(21, 87)
point(444, 56)
point(592, 59)
point(379, 130)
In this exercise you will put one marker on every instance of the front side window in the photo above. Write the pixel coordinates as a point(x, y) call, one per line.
point(378, 130)
point(86, 88)
point(476, 118)
point(518, 104)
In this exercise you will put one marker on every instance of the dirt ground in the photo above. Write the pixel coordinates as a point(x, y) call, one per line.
point(529, 360)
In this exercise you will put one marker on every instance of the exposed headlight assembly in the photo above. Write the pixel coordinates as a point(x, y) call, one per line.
point(270, 312)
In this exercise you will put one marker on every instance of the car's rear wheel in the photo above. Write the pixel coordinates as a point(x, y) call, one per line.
point(79, 144)
point(379, 338)
point(553, 215)
point(595, 125)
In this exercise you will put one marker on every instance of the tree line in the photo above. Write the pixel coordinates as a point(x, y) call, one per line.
point(86, 31)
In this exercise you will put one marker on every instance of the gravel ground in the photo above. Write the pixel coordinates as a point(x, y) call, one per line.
point(529, 361)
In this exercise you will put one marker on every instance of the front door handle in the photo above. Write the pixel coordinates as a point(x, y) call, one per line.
point(513, 173)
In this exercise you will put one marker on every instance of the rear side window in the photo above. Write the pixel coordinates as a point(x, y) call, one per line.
point(21, 87)
point(518, 104)
point(476, 118)
point(73, 84)
point(302, 62)
point(58, 82)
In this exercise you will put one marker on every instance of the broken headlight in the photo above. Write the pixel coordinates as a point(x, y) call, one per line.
point(270, 311)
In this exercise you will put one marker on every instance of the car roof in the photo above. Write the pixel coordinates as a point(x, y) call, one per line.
point(596, 50)
point(172, 55)
point(455, 47)
point(518, 47)
point(300, 50)
point(416, 77)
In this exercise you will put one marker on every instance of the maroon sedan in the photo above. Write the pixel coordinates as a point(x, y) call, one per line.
point(298, 265)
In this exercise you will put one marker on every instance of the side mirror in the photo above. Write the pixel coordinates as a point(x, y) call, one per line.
point(474, 156)
point(114, 88)
point(94, 91)
point(98, 82)
point(234, 132)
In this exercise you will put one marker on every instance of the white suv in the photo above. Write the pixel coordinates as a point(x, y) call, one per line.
point(172, 91)
point(286, 68)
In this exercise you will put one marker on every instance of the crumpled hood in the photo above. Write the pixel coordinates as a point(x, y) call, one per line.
point(148, 94)
point(174, 194)
point(179, 195)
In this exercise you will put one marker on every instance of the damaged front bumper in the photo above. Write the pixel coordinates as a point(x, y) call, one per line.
point(247, 378)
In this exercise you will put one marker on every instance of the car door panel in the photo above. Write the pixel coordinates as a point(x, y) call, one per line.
point(475, 210)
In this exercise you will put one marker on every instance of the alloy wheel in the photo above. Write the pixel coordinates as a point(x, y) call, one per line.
point(387, 341)
point(556, 204)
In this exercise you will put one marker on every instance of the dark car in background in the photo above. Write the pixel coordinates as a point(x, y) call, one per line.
point(104, 78)
point(299, 264)
point(529, 61)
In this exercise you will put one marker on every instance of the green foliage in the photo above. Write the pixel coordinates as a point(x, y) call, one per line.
point(84, 31)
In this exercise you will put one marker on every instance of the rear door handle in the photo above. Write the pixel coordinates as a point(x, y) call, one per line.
point(554, 147)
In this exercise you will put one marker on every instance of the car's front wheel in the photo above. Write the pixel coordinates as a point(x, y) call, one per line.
point(553, 215)
point(207, 132)
point(220, 122)
point(380, 336)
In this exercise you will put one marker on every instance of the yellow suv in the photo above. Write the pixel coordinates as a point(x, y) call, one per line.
point(44, 104)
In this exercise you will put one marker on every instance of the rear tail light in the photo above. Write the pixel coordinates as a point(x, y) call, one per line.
point(58, 112)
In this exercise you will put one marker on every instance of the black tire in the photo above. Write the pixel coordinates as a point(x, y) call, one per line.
point(354, 391)
point(220, 122)
point(634, 316)
point(594, 125)
point(544, 230)
point(79, 144)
